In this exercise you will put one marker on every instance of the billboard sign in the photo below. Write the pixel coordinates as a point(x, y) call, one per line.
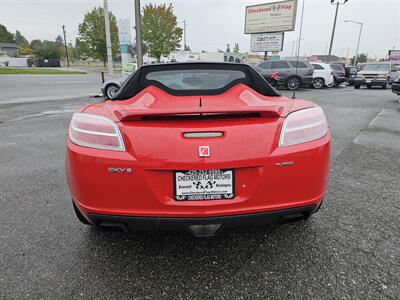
point(394, 55)
point(124, 31)
point(262, 42)
point(271, 17)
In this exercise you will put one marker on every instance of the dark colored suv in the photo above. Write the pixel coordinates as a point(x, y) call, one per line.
point(283, 72)
point(338, 73)
point(350, 74)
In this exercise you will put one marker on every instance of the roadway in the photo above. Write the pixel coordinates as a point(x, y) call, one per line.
point(349, 249)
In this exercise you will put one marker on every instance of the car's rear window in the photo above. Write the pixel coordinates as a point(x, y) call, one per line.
point(300, 64)
point(317, 67)
point(192, 79)
point(337, 67)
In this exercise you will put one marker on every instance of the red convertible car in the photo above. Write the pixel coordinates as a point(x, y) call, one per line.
point(198, 147)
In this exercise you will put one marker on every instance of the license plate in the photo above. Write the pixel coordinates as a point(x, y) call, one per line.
point(368, 81)
point(204, 184)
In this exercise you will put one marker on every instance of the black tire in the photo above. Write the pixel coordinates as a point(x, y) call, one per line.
point(357, 87)
point(80, 216)
point(293, 83)
point(110, 90)
point(318, 83)
point(384, 86)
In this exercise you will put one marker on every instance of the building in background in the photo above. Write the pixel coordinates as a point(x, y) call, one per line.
point(8, 49)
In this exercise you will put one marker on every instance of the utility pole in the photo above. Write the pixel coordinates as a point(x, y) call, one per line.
point(184, 35)
point(359, 38)
point(65, 45)
point(358, 44)
point(333, 33)
point(334, 26)
point(138, 27)
point(108, 38)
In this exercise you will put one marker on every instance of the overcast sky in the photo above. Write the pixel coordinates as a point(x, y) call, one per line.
point(214, 23)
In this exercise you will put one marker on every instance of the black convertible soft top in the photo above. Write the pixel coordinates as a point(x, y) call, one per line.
point(139, 80)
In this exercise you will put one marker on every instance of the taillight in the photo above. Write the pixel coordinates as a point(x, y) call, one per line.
point(274, 75)
point(95, 132)
point(311, 71)
point(303, 126)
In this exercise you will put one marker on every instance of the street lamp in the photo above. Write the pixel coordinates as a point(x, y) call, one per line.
point(359, 38)
point(334, 24)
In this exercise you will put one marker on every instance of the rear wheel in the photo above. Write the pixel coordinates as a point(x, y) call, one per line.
point(80, 216)
point(357, 87)
point(319, 83)
point(111, 89)
point(293, 83)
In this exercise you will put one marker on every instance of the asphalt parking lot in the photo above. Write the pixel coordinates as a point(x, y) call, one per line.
point(350, 249)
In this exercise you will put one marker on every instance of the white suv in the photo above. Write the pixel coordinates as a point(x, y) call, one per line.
point(322, 76)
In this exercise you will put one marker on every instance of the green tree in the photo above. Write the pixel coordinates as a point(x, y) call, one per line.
point(160, 30)
point(20, 40)
point(5, 35)
point(36, 45)
point(133, 49)
point(92, 36)
point(361, 58)
point(59, 41)
point(49, 50)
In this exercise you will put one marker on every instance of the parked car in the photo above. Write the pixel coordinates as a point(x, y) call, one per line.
point(322, 76)
point(350, 74)
point(198, 147)
point(396, 86)
point(373, 74)
point(111, 86)
point(338, 74)
point(285, 73)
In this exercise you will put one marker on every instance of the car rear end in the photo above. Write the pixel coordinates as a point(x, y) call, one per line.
point(351, 73)
point(338, 74)
point(396, 86)
point(304, 70)
point(208, 163)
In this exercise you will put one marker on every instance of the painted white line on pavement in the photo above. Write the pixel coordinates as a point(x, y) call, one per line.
point(48, 98)
point(66, 81)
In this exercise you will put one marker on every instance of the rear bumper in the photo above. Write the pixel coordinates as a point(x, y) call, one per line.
point(396, 88)
point(339, 80)
point(350, 79)
point(199, 227)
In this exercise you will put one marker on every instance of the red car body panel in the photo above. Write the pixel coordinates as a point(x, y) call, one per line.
point(267, 177)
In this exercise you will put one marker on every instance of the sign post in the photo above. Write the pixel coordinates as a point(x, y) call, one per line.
point(271, 17)
point(261, 42)
point(267, 23)
point(124, 34)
